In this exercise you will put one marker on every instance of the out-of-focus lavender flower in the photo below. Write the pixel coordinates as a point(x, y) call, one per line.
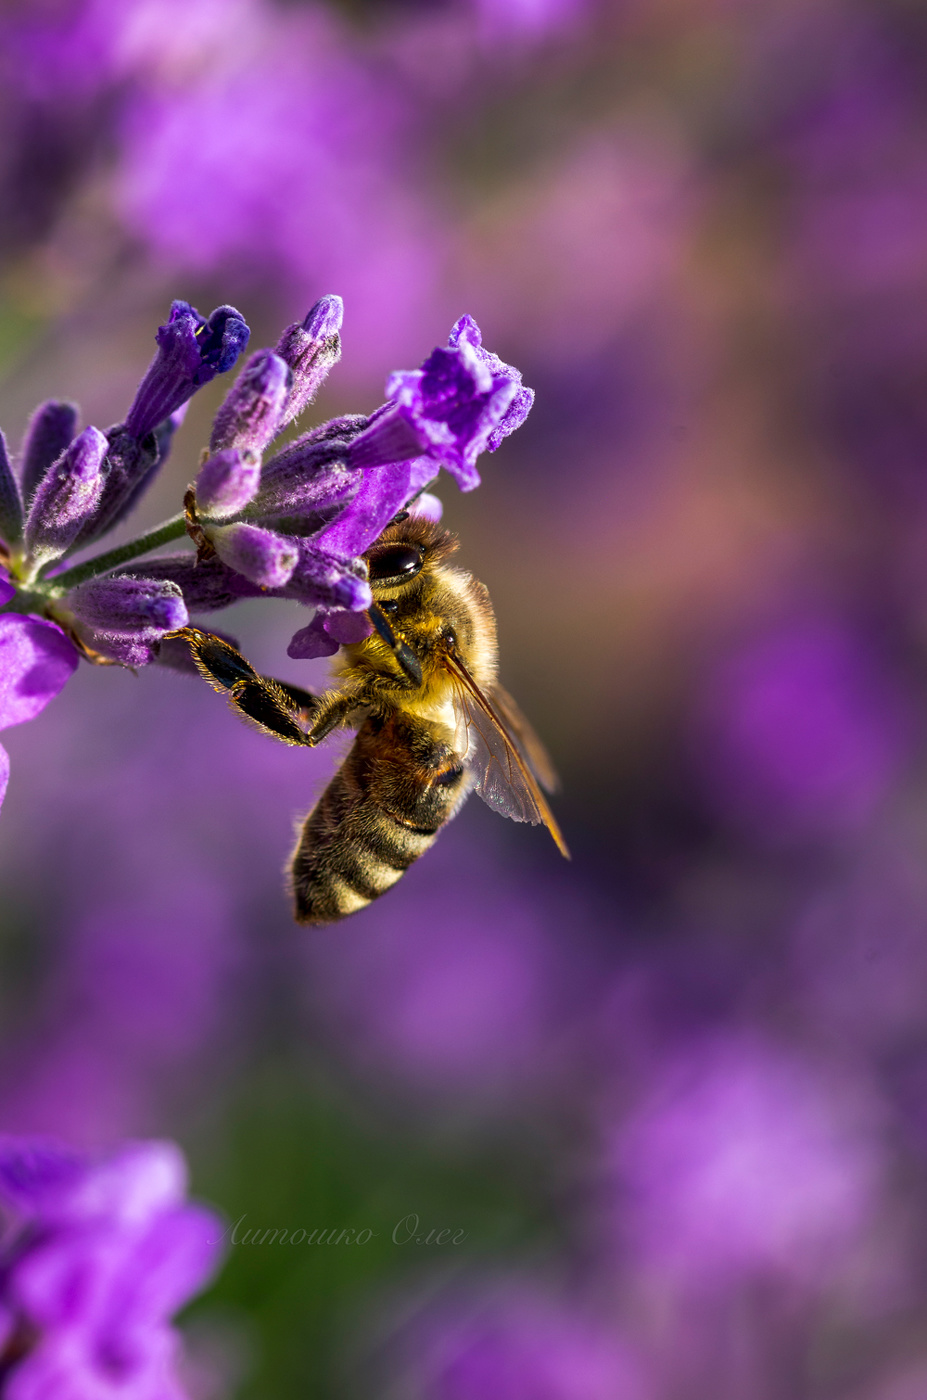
point(801, 732)
point(516, 1344)
point(98, 1258)
point(36, 661)
point(746, 1159)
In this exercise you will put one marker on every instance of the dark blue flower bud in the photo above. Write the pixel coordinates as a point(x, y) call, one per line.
point(191, 352)
point(11, 505)
point(51, 428)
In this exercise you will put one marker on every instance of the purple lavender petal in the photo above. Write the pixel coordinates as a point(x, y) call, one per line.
point(124, 604)
point(226, 483)
point(36, 661)
point(191, 352)
point(348, 628)
point(4, 773)
point(327, 632)
point(462, 401)
point(323, 579)
point(51, 428)
point(6, 588)
point(260, 555)
point(250, 416)
point(467, 330)
point(383, 492)
point(313, 642)
point(393, 438)
point(11, 505)
point(311, 349)
point(67, 498)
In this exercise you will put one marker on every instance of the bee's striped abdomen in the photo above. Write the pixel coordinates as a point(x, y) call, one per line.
point(397, 787)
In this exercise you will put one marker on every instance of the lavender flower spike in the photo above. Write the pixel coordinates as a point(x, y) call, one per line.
point(99, 1259)
point(67, 497)
point(311, 349)
point(463, 401)
point(250, 416)
point(36, 661)
point(191, 352)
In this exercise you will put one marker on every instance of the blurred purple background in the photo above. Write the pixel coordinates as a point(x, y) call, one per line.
point(674, 1094)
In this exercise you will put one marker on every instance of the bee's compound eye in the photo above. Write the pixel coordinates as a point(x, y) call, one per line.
point(395, 561)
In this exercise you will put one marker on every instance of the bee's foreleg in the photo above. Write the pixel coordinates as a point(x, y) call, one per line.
point(332, 710)
point(274, 707)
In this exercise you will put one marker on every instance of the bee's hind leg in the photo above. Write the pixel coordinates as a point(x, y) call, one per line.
point(275, 707)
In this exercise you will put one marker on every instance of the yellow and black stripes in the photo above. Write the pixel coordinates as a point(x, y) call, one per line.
point(397, 787)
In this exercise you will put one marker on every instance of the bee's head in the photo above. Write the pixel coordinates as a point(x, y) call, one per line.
point(405, 548)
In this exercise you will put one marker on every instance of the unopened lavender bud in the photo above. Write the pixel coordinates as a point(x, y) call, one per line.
point(51, 428)
point(226, 483)
point(67, 497)
point(323, 579)
point(311, 348)
point(125, 605)
point(191, 351)
point(11, 505)
point(250, 416)
point(265, 558)
point(6, 588)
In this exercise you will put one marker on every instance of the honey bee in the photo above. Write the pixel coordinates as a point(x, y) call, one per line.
point(432, 721)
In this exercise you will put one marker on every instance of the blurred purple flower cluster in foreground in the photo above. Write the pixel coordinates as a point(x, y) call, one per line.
point(97, 1258)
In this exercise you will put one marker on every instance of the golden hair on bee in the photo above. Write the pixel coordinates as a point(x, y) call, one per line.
point(432, 721)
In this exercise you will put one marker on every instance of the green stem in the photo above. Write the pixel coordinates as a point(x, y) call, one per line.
point(173, 529)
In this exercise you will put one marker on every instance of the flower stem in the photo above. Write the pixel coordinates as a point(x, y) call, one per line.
point(173, 529)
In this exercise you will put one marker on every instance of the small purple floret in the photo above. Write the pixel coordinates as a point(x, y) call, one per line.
point(191, 352)
point(264, 557)
point(251, 414)
point(226, 483)
point(461, 402)
point(311, 349)
point(6, 588)
point(128, 604)
point(99, 1258)
point(67, 497)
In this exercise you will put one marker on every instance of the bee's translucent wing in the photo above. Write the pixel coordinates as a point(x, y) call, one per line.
point(503, 778)
point(529, 745)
